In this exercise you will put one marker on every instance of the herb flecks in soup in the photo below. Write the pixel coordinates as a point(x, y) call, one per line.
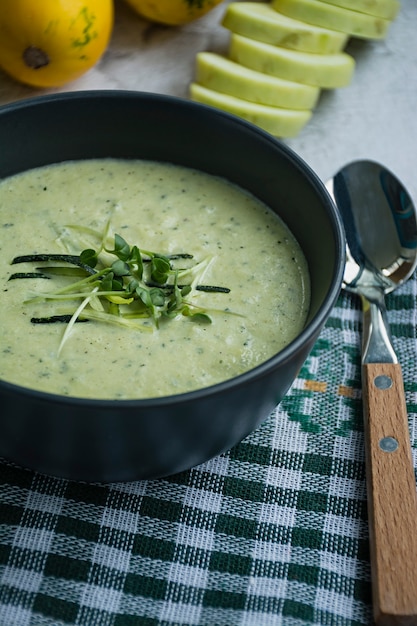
point(240, 274)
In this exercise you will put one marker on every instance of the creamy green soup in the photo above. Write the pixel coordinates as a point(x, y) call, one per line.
point(236, 242)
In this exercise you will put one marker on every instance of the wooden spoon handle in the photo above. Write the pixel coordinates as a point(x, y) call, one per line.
point(392, 496)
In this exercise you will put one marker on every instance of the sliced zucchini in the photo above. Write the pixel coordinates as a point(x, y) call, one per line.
point(276, 121)
point(221, 74)
point(327, 15)
point(327, 71)
point(258, 20)
point(387, 9)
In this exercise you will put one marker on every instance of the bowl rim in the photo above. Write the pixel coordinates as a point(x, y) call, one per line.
point(307, 334)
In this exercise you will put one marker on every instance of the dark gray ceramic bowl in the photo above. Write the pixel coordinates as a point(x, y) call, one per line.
point(106, 440)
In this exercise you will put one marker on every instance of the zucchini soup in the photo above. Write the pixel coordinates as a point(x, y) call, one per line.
point(127, 279)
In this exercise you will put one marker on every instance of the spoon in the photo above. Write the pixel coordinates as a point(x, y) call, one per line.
point(381, 232)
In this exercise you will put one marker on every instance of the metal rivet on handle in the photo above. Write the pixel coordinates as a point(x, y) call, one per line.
point(388, 444)
point(383, 382)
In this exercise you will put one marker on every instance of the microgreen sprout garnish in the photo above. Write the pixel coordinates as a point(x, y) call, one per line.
point(122, 285)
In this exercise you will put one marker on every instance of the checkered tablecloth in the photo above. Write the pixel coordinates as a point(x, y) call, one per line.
point(272, 533)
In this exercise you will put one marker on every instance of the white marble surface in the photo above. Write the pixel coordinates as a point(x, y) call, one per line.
point(374, 117)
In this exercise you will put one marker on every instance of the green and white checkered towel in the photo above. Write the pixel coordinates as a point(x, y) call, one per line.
point(272, 533)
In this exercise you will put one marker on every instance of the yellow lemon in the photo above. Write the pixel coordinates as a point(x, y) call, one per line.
point(172, 12)
point(47, 43)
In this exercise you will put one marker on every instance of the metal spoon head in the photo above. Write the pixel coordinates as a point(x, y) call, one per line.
point(380, 223)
